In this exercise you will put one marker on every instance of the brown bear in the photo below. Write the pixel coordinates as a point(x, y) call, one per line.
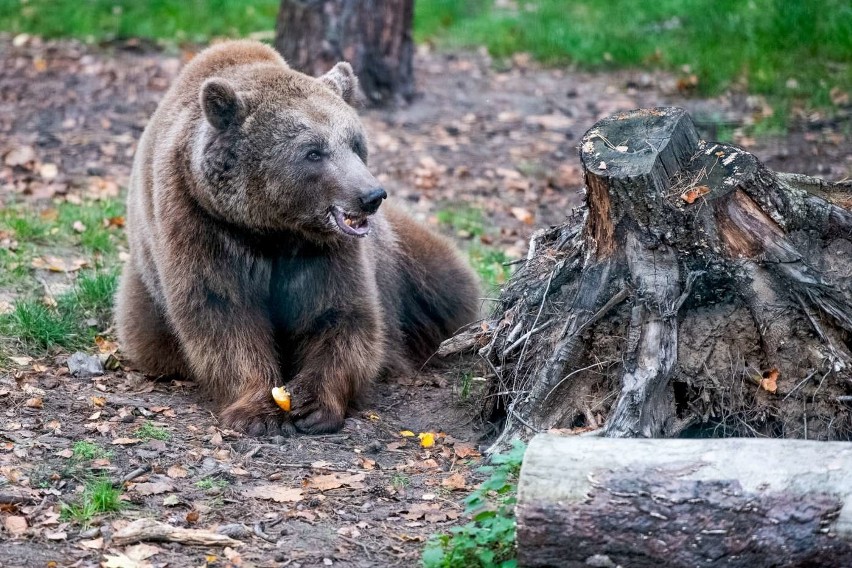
point(260, 256)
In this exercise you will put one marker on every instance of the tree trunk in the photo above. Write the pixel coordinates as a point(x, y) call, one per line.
point(697, 293)
point(739, 503)
point(373, 35)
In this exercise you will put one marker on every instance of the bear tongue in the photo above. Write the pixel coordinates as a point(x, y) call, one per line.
point(356, 227)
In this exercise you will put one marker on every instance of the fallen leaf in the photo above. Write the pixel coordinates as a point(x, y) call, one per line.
point(351, 532)
point(427, 439)
point(523, 215)
point(454, 482)
point(15, 525)
point(48, 171)
point(21, 361)
point(465, 451)
point(56, 535)
point(171, 501)
point(98, 401)
point(34, 403)
point(126, 441)
point(154, 488)
point(193, 516)
point(335, 480)
point(406, 433)
point(690, 195)
point(93, 544)
point(176, 472)
point(20, 156)
point(276, 493)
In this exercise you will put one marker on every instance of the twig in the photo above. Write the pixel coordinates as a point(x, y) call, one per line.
point(138, 472)
point(795, 388)
point(526, 336)
point(259, 532)
point(363, 546)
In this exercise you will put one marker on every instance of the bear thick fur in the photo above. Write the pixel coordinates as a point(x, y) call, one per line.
point(260, 255)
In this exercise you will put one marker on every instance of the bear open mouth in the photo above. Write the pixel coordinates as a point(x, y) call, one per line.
point(353, 224)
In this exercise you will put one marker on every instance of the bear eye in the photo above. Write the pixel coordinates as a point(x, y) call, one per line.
point(313, 156)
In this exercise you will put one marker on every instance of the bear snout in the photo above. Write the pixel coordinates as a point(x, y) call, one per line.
point(371, 200)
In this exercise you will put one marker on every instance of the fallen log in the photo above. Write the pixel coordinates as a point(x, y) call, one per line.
point(696, 293)
point(586, 501)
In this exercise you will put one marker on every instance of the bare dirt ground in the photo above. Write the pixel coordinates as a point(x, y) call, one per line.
point(499, 140)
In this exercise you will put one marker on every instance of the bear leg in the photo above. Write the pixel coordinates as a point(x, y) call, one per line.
point(336, 364)
point(143, 333)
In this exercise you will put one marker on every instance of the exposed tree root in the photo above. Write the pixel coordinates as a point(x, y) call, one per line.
point(692, 274)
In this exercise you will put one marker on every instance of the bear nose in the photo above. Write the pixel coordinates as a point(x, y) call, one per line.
point(371, 200)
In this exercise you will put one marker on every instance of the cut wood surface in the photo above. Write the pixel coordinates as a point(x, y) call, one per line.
point(697, 293)
point(586, 501)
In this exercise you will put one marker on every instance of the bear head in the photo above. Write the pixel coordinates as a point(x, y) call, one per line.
point(278, 150)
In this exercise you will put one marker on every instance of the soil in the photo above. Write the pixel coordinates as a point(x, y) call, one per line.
point(500, 138)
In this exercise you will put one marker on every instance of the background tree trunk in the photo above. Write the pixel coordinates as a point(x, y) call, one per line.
point(696, 293)
point(651, 503)
point(373, 35)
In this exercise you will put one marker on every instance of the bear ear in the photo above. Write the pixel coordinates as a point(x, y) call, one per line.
point(342, 80)
point(221, 103)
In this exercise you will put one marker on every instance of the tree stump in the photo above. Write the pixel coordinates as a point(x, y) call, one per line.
point(650, 503)
point(373, 35)
point(696, 293)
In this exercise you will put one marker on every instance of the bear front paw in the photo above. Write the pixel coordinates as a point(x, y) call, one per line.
point(315, 413)
point(257, 419)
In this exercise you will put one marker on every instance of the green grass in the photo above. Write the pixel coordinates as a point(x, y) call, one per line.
point(174, 20)
point(35, 326)
point(99, 496)
point(209, 483)
point(759, 46)
point(149, 431)
point(400, 481)
point(85, 450)
point(488, 539)
point(488, 262)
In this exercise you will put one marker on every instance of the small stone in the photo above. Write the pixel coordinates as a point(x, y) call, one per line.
point(84, 366)
point(600, 561)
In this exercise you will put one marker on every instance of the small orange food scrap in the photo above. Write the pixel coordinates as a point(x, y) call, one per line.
point(690, 195)
point(281, 398)
point(769, 380)
point(427, 439)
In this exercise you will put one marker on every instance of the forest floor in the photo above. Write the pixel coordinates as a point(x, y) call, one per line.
point(487, 153)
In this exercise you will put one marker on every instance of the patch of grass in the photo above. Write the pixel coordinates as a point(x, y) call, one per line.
point(150, 431)
point(93, 294)
point(38, 327)
point(490, 264)
point(99, 496)
point(173, 20)
point(465, 221)
point(35, 326)
point(86, 450)
point(757, 46)
point(488, 540)
point(400, 481)
point(209, 483)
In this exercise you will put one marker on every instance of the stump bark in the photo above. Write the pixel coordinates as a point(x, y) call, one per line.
point(614, 502)
point(373, 35)
point(696, 293)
